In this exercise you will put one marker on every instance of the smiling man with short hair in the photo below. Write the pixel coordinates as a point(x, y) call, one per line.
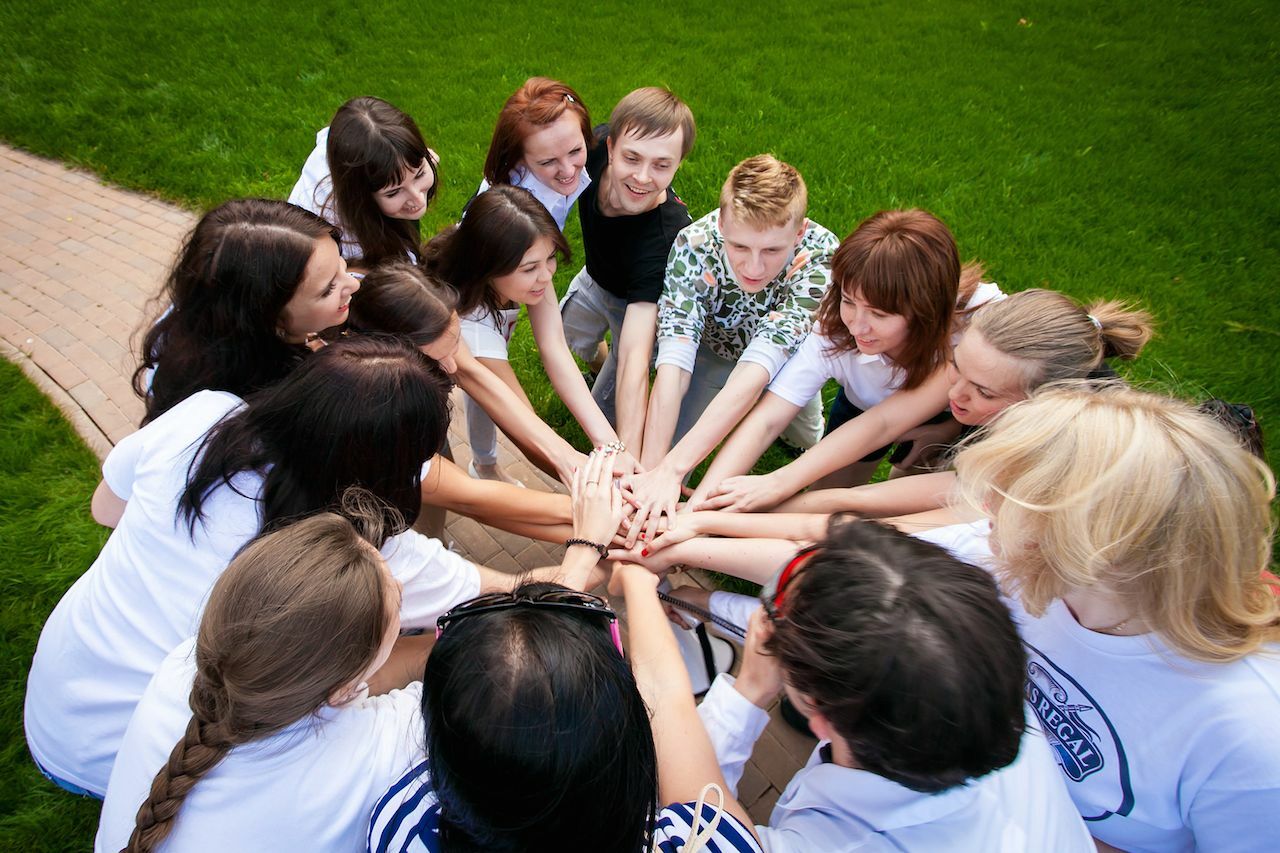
point(630, 216)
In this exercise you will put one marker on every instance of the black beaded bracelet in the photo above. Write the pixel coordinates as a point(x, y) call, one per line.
point(602, 550)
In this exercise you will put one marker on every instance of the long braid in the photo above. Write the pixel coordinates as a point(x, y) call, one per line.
point(261, 661)
point(204, 744)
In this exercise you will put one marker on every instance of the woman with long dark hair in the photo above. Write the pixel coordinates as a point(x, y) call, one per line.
point(373, 176)
point(500, 257)
point(252, 282)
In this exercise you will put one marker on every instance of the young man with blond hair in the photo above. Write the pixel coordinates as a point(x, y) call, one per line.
point(630, 216)
point(742, 286)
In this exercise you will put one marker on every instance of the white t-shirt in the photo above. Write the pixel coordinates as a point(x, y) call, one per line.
point(866, 379)
point(314, 192)
point(308, 787)
point(406, 820)
point(826, 807)
point(556, 204)
point(487, 336)
point(145, 592)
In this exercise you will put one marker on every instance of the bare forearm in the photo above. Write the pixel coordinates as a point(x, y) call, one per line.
point(669, 389)
point(634, 352)
point(747, 443)
point(576, 572)
point(751, 559)
point(686, 758)
point(795, 526)
point(892, 497)
point(631, 400)
point(517, 420)
point(724, 412)
point(491, 502)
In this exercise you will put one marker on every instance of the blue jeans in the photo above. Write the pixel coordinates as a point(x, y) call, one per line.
point(65, 785)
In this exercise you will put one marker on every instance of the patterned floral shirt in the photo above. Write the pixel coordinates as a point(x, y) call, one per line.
point(702, 301)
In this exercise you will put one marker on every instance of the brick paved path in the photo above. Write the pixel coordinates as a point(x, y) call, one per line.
point(79, 262)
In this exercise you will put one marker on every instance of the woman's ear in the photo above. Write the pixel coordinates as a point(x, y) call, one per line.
point(818, 724)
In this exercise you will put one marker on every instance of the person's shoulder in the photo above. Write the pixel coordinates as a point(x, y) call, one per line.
point(407, 816)
point(673, 214)
point(817, 236)
point(700, 235)
point(201, 410)
point(598, 153)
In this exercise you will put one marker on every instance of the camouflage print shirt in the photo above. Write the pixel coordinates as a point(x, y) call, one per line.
point(703, 303)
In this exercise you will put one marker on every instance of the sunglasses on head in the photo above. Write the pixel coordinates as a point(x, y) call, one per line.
point(773, 593)
point(554, 599)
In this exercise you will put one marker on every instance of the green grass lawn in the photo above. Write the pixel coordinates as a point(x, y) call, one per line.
point(1120, 150)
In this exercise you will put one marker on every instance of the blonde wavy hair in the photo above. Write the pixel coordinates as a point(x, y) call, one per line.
point(763, 192)
point(1092, 485)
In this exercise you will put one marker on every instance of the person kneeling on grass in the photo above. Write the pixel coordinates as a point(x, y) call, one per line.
point(910, 671)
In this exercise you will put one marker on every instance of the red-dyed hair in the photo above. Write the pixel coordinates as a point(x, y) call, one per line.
point(903, 262)
point(536, 104)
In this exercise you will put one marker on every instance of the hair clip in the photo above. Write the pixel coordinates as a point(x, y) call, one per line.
point(1097, 324)
point(569, 98)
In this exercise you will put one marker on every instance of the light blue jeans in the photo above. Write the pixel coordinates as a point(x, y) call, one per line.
point(587, 312)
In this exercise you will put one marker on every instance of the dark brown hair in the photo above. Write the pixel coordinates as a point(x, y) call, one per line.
point(653, 111)
point(367, 410)
point(298, 615)
point(398, 298)
point(902, 262)
point(908, 652)
point(371, 146)
point(499, 227)
point(536, 104)
point(222, 301)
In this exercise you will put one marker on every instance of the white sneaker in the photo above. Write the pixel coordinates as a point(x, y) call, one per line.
point(498, 478)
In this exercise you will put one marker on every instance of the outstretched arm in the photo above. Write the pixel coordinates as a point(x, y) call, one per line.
point(566, 379)
point(686, 760)
point(499, 504)
point(514, 416)
point(658, 489)
point(748, 442)
point(755, 560)
point(634, 351)
point(877, 426)
point(597, 511)
point(876, 500)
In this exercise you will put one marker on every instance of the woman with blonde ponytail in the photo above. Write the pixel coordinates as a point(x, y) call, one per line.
point(278, 745)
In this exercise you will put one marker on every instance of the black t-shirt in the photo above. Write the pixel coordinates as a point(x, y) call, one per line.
point(627, 255)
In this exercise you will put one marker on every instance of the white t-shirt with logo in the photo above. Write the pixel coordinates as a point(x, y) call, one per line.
point(1159, 752)
point(309, 787)
point(145, 592)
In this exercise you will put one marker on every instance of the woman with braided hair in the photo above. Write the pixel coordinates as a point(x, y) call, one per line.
point(278, 744)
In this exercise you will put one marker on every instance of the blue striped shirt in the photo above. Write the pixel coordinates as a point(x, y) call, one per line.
point(406, 820)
